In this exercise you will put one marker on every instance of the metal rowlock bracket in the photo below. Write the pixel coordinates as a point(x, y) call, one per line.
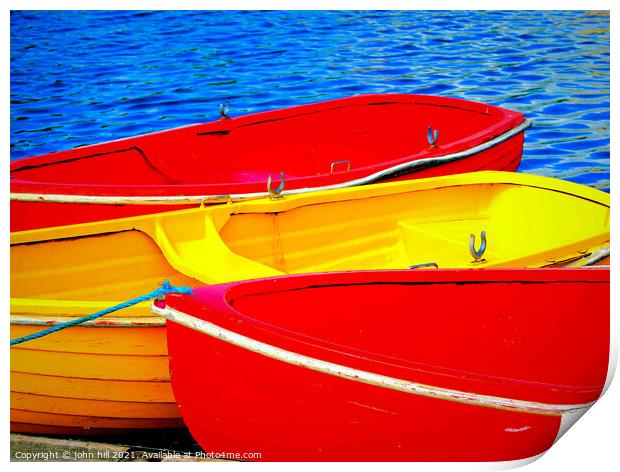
point(335, 163)
point(224, 108)
point(277, 192)
point(477, 255)
point(432, 135)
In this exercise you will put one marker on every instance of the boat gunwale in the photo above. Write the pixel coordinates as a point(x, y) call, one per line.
point(151, 223)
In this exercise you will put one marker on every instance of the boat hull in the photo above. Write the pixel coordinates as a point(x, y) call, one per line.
point(513, 335)
point(91, 380)
point(382, 137)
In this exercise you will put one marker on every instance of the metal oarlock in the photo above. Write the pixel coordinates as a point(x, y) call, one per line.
point(276, 193)
point(224, 108)
point(432, 135)
point(477, 255)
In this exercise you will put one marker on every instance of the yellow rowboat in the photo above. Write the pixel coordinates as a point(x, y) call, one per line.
point(112, 373)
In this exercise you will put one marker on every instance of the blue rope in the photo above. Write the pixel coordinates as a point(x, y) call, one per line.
point(163, 290)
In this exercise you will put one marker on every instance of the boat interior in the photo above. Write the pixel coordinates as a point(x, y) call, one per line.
point(321, 141)
point(525, 226)
point(113, 266)
point(408, 341)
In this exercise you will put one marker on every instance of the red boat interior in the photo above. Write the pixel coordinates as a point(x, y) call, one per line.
point(358, 132)
point(511, 333)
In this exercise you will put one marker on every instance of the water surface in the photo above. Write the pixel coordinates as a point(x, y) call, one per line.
point(82, 77)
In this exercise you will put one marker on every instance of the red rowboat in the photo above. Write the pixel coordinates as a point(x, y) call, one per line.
point(424, 365)
point(346, 142)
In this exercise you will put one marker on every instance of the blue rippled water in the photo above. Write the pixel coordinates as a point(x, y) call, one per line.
point(81, 77)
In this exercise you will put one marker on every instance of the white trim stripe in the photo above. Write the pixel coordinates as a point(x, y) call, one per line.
point(106, 322)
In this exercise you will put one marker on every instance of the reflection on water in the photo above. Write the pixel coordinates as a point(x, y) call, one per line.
point(81, 77)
